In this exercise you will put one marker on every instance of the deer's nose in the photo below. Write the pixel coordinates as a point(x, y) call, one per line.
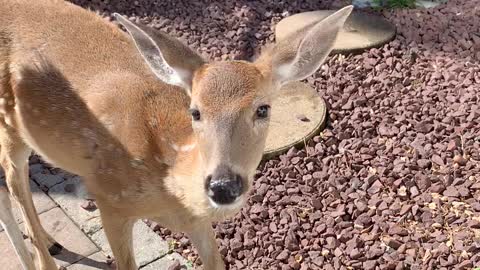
point(224, 186)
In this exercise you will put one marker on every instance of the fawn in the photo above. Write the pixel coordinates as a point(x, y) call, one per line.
point(154, 130)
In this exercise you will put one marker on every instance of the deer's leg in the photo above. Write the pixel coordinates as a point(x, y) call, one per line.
point(118, 230)
point(8, 222)
point(13, 158)
point(54, 247)
point(203, 238)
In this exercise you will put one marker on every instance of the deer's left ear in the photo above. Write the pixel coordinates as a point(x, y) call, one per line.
point(302, 53)
point(172, 61)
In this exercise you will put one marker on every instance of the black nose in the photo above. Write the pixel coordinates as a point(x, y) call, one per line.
point(224, 186)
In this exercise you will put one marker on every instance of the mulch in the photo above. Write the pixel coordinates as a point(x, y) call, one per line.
point(393, 182)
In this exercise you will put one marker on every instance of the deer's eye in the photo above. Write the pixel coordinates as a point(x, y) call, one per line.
point(263, 111)
point(195, 114)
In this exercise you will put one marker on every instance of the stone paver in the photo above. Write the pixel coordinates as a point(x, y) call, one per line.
point(55, 222)
point(60, 227)
point(95, 261)
point(46, 179)
point(37, 168)
point(69, 195)
point(165, 262)
point(147, 245)
point(41, 201)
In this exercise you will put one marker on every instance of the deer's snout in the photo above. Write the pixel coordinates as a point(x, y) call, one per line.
point(224, 186)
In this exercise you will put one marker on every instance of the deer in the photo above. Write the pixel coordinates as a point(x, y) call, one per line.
point(155, 130)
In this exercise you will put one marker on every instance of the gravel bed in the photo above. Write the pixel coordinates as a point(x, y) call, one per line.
point(394, 180)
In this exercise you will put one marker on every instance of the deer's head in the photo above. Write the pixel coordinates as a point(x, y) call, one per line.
point(231, 100)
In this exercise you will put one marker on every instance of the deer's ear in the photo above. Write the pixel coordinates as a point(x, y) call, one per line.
point(302, 53)
point(172, 61)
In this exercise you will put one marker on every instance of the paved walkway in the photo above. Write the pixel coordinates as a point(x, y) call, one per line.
point(58, 197)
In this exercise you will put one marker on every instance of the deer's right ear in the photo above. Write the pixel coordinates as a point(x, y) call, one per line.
point(172, 61)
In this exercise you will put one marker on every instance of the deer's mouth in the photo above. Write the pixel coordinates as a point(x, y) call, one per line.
point(223, 211)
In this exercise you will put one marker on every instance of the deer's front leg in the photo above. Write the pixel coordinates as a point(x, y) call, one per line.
point(203, 238)
point(118, 230)
point(8, 222)
point(201, 234)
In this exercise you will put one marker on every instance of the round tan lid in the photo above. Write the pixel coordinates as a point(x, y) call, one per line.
point(298, 114)
point(361, 30)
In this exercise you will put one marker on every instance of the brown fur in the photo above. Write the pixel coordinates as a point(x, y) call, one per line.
point(75, 90)
point(237, 87)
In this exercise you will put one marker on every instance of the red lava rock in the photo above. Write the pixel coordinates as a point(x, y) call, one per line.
point(424, 163)
point(89, 205)
point(475, 206)
point(291, 242)
point(467, 264)
point(175, 265)
point(398, 230)
point(460, 160)
point(370, 265)
point(474, 224)
point(437, 188)
point(394, 243)
point(437, 160)
point(282, 256)
point(453, 145)
point(451, 192)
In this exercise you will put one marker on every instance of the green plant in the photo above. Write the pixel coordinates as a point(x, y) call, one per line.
point(395, 3)
point(189, 264)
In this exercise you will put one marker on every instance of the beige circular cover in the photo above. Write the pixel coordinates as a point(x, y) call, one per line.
point(298, 113)
point(361, 30)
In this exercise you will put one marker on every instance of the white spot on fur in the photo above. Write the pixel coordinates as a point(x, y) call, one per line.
point(154, 122)
point(184, 148)
point(114, 198)
point(107, 123)
point(188, 147)
point(8, 120)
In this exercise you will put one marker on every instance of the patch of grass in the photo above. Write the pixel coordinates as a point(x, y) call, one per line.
point(395, 3)
point(171, 245)
point(189, 264)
